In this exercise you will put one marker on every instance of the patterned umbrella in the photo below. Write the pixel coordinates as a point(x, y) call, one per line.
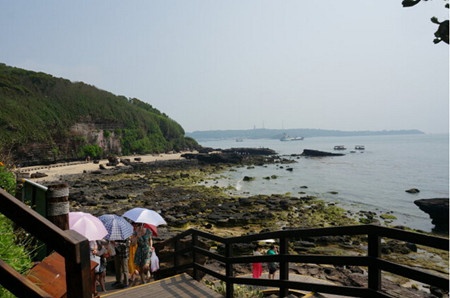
point(118, 227)
point(87, 225)
point(143, 215)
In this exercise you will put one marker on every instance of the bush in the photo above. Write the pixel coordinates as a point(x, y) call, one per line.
point(91, 150)
point(12, 251)
point(7, 180)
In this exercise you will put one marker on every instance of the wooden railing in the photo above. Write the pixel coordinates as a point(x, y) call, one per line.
point(70, 244)
point(372, 260)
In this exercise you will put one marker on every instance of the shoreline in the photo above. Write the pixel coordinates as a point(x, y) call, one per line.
point(57, 171)
point(172, 189)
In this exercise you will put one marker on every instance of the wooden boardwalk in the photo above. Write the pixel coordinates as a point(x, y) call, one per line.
point(181, 285)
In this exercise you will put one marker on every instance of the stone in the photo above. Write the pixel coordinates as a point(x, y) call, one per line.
point(438, 209)
point(412, 190)
point(317, 153)
point(38, 175)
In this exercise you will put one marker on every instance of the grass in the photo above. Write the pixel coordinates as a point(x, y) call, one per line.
point(13, 250)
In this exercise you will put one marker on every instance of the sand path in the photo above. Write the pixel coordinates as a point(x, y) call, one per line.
point(56, 171)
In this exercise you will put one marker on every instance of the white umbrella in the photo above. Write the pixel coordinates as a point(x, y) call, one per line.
point(143, 215)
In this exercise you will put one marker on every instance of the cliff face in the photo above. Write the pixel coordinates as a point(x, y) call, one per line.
point(96, 134)
point(44, 119)
point(66, 148)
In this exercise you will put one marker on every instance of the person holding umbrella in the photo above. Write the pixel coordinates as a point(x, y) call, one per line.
point(143, 238)
point(119, 231)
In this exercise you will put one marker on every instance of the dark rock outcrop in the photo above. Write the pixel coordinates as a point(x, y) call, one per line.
point(438, 211)
point(412, 190)
point(317, 153)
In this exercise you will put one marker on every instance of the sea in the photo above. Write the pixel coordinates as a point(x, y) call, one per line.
point(374, 179)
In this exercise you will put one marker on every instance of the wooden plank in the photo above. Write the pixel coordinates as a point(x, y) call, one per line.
point(50, 276)
point(181, 285)
point(18, 284)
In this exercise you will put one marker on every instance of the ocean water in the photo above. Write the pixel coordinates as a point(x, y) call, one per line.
point(371, 180)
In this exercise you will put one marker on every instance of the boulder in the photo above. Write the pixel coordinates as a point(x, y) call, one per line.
point(317, 153)
point(38, 175)
point(438, 210)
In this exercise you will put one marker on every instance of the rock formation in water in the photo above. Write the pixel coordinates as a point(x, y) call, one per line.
point(438, 211)
point(317, 153)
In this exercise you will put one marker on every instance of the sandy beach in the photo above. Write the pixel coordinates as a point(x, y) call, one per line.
point(56, 171)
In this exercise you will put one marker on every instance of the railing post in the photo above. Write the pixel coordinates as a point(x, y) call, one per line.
point(374, 252)
point(58, 205)
point(229, 270)
point(78, 268)
point(194, 254)
point(284, 266)
point(175, 255)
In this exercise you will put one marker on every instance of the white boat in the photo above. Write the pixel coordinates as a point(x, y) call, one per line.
point(340, 147)
point(360, 147)
point(286, 138)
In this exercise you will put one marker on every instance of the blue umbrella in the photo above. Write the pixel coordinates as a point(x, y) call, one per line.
point(118, 227)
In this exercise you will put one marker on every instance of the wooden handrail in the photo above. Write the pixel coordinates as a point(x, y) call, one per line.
point(372, 260)
point(70, 244)
point(18, 284)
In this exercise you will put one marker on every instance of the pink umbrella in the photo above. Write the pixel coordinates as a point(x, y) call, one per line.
point(87, 225)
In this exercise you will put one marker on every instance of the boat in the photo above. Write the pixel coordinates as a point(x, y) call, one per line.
point(340, 147)
point(286, 138)
point(360, 147)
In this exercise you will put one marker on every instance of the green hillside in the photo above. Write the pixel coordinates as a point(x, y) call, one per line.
point(47, 119)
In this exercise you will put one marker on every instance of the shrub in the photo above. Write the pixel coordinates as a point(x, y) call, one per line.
point(7, 180)
point(91, 150)
point(12, 251)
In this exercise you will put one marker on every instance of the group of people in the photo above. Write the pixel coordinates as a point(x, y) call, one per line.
point(132, 258)
point(271, 266)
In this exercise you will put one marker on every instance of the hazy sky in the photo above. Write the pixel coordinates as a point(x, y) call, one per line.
point(345, 65)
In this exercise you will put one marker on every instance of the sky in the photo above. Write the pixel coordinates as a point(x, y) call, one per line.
point(219, 65)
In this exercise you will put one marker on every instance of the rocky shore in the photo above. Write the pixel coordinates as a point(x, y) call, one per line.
point(186, 197)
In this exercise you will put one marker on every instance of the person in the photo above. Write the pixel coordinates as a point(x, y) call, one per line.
point(93, 256)
point(132, 270)
point(100, 270)
point(272, 266)
point(257, 267)
point(121, 262)
point(143, 237)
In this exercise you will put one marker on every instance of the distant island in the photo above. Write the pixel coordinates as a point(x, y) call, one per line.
point(263, 133)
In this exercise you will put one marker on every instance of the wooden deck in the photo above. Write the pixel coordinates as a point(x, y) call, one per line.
point(181, 285)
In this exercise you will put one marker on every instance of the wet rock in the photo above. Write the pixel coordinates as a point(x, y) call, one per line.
point(317, 153)
point(125, 161)
point(394, 246)
point(38, 175)
point(412, 190)
point(438, 209)
point(248, 178)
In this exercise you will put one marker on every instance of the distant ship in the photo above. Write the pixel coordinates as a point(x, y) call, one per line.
point(286, 138)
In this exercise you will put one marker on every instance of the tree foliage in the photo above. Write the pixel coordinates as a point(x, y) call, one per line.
point(441, 33)
point(39, 108)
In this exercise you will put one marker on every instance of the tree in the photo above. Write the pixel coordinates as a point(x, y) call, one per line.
point(441, 33)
